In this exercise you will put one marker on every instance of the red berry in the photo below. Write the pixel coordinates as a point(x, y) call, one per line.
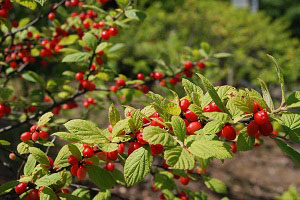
point(233, 147)
point(74, 3)
point(31, 109)
point(21, 188)
point(110, 166)
point(266, 129)
point(13, 65)
point(50, 162)
point(105, 35)
point(133, 146)
point(155, 123)
point(261, 117)
point(35, 136)
point(201, 65)
point(120, 83)
point(29, 34)
point(47, 99)
point(214, 107)
point(121, 148)
point(189, 115)
point(274, 134)
point(112, 155)
point(33, 195)
point(33, 128)
point(44, 135)
point(81, 172)
point(193, 127)
point(188, 65)
point(156, 149)
point(113, 88)
point(74, 170)
point(113, 31)
point(257, 107)
point(184, 104)
point(12, 156)
point(158, 75)
point(3, 13)
point(141, 77)
point(51, 16)
point(184, 181)
point(162, 197)
point(252, 129)
point(88, 152)
point(72, 160)
point(228, 132)
point(140, 138)
point(65, 191)
point(101, 24)
point(110, 128)
point(25, 136)
point(86, 24)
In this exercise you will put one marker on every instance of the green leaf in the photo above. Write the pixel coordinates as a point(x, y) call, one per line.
point(41, 2)
point(148, 111)
point(64, 196)
point(288, 150)
point(103, 195)
point(222, 55)
point(33, 77)
point(84, 194)
point(116, 47)
point(90, 41)
point(39, 156)
point(191, 88)
point(70, 39)
point(213, 93)
point(5, 93)
point(215, 185)
point(179, 127)
point(100, 177)
point(49, 180)
point(156, 135)
point(291, 120)
point(210, 149)
point(108, 147)
point(119, 127)
point(113, 114)
point(75, 151)
point(244, 141)
point(164, 180)
point(266, 94)
point(23, 148)
point(62, 157)
point(8, 186)
point(47, 194)
point(280, 77)
point(118, 176)
point(86, 131)
point(218, 116)
point(101, 46)
point(31, 4)
point(213, 127)
point(293, 100)
point(122, 3)
point(196, 109)
point(179, 158)
point(29, 165)
point(137, 165)
point(67, 136)
point(243, 101)
point(8, 24)
point(4, 143)
point(76, 57)
point(95, 8)
point(44, 119)
point(135, 14)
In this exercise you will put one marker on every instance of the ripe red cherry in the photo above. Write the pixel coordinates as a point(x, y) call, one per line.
point(81, 172)
point(88, 152)
point(33, 128)
point(120, 82)
point(141, 77)
point(121, 148)
point(266, 129)
point(74, 170)
point(51, 163)
point(228, 132)
point(252, 129)
point(183, 196)
point(133, 146)
point(74, 3)
point(21, 188)
point(261, 117)
point(215, 108)
point(31, 109)
point(188, 65)
point(113, 88)
point(189, 115)
point(44, 135)
point(25, 136)
point(112, 155)
point(3, 13)
point(51, 16)
point(72, 160)
point(193, 127)
point(113, 31)
point(201, 65)
point(65, 191)
point(156, 149)
point(233, 147)
point(33, 195)
point(35, 136)
point(257, 107)
point(184, 181)
point(110, 166)
point(184, 104)
point(162, 197)
point(101, 24)
point(140, 138)
point(155, 123)
point(12, 156)
point(158, 75)
point(2, 108)
point(86, 24)
point(105, 35)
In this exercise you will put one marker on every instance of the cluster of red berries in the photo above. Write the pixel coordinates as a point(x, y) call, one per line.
point(119, 84)
point(33, 193)
point(181, 195)
point(89, 101)
point(6, 5)
point(86, 84)
point(19, 54)
point(35, 134)
point(4, 110)
point(261, 124)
